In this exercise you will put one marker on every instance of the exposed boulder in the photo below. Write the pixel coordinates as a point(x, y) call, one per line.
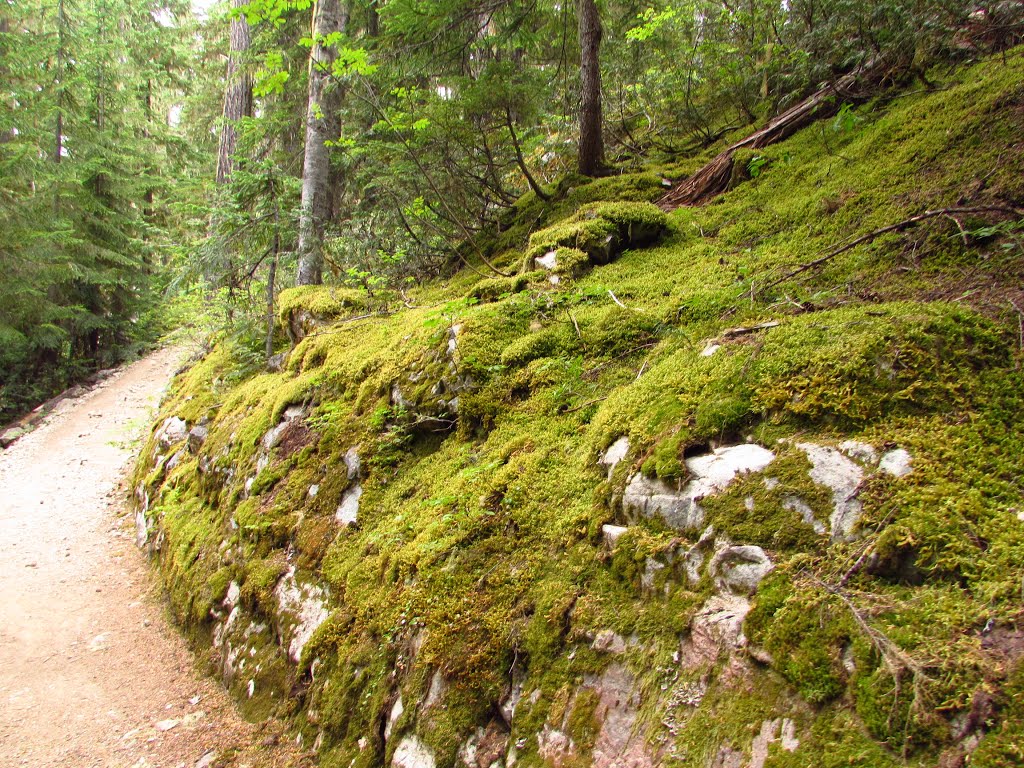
point(412, 753)
point(739, 569)
point(348, 510)
point(709, 474)
point(896, 463)
point(842, 476)
point(302, 608)
point(196, 437)
point(486, 747)
point(172, 431)
point(618, 745)
point(615, 453)
point(715, 629)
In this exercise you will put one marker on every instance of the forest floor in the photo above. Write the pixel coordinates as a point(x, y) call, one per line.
point(91, 671)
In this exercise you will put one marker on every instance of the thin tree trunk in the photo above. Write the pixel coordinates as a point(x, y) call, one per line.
point(591, 146)
point(58, 148)
point(237, 95)
point(321, 125)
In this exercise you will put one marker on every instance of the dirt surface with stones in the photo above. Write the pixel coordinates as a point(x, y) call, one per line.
point(91, 673)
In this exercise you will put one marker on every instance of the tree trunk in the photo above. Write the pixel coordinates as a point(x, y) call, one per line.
point(58, 148)
point(237, 95)
point(591, 146)
point(321, 125)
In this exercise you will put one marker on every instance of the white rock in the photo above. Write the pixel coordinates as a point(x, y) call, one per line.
point(412, 753)
point(348, 510)
point(616, 452)
point(716, 470)
point(710, 473)
point(770, 734)
point(612, 534)
point(206, 760)
point(548, 261)
point(710, 349)
point(651, 569)
point(609, 641)
point(806, 513)
point(896, 463)
point(739, 569)
point(438, 688)
point(314, 489)
point(233, 594)
point(352, 462)
point(274, 435)
point(141, 527)
point(554, 745)
point(306, 605)
point(166, 725)
point(293, 412)
point(397, 710)
point(653, 497)
point(842, 476)
point(172, 431)
point(251, 688)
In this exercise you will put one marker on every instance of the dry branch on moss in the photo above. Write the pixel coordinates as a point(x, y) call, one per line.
point(897, 227)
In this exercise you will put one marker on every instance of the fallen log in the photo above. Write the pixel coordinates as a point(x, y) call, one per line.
point(713, 179)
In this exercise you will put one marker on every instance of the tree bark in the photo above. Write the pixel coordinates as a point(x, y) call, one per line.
point(321, 125)
point(237, 95)
point(591, 146)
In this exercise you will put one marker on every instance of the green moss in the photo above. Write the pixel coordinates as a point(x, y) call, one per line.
point(324, 301)
point(496, 288)
point(478, 548)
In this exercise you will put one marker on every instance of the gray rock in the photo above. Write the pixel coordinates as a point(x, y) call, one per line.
point(352, 462)
point(348, 509)
point(438, 688)
point(9, 436)
point(548, 261)
point(397, 710)
point(781, 731)
point(617, 744)
point(616, 452)
point(412, 753)
point(709, 473)
point(896, 463)
point(196, 437)
point(486, 747)
point(172, 431)
point(273, 436)
point(842, 476)
point(649, 498)
point(275, 363)
point(862, 452)
point(739, 569)
point(715, 629)
point(302, 608)
point(612, 534)
point(806, 513)
point(609, 641)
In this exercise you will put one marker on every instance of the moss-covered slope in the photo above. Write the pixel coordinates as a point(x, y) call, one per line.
point(513, 523)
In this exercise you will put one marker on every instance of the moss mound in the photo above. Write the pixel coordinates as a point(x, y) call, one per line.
point(426, 524)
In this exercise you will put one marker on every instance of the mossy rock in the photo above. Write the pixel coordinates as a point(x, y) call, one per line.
point(303, 309)
point(492, 289)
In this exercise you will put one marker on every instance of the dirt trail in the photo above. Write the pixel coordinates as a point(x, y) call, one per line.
point(91, 674)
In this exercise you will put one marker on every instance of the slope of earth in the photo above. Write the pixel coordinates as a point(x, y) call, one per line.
point(655, 497)
point(91, 672)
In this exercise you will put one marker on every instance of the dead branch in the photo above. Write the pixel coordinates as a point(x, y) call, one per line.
point(897, 227)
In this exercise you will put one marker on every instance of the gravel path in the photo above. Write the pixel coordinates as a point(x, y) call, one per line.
point(91, 673)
